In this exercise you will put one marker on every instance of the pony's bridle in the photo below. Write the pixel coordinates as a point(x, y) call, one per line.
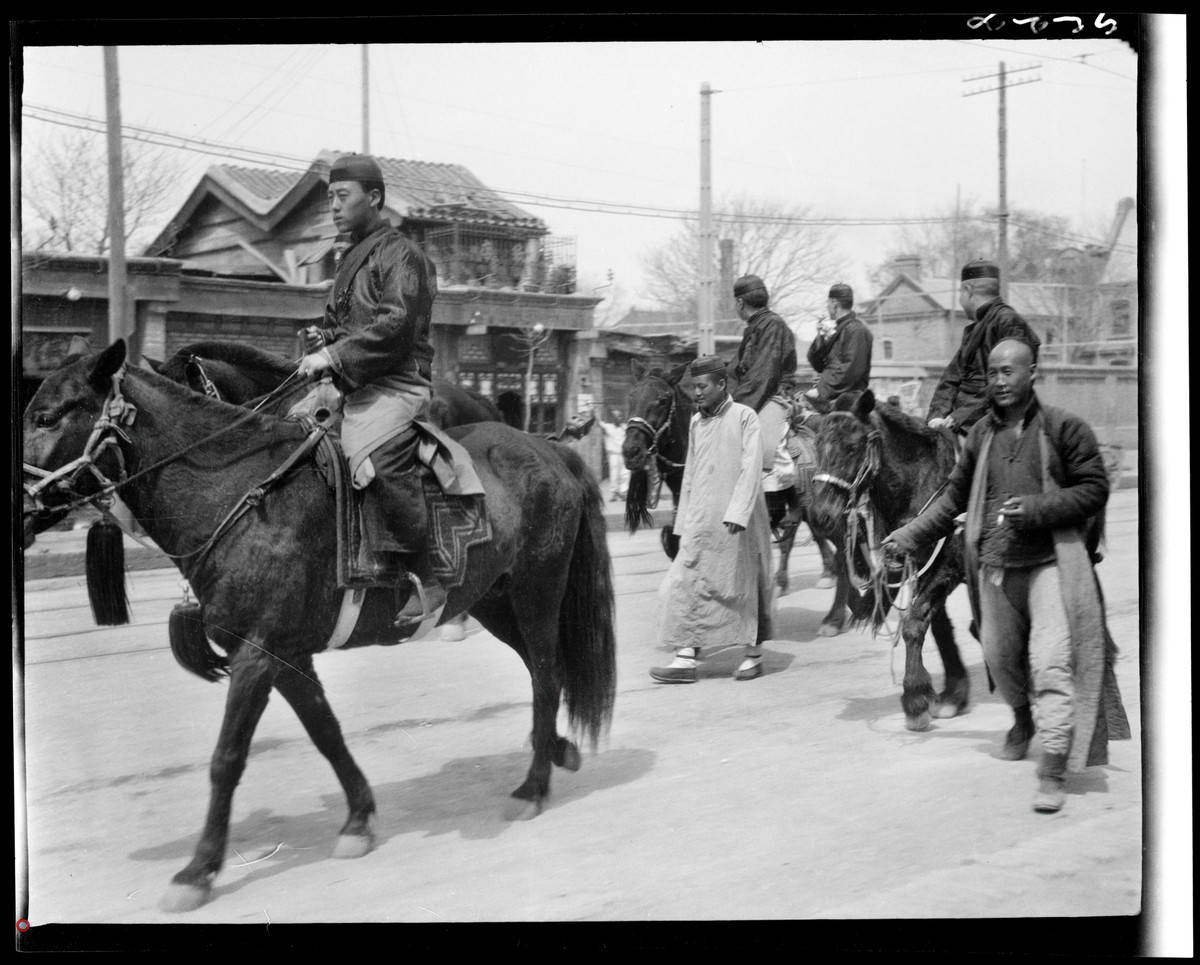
point(116, 413)
point(859, 511)
point(655, 435)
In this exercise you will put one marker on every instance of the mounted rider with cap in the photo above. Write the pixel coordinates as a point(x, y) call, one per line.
point(841, 352)
point(375, 339)
point(764, 376)
point(961, 396)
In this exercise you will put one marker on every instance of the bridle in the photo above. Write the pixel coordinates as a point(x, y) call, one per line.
point(656, 435)
point(861, 517)
point(117, 413)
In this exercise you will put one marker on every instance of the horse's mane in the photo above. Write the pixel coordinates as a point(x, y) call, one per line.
point(240, 354)
point(900, 421)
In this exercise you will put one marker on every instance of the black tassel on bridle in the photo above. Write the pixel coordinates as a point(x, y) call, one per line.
point(105, 566)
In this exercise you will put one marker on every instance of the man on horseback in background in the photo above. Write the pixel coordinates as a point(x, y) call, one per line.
point(841, 352)
point(764, 371)
point(1034, 487)
point(375, 339)
point(960, 399)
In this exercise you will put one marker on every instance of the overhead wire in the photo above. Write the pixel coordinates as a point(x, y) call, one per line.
point(297, 163)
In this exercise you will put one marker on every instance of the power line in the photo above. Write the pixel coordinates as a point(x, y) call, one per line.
point(296, 163)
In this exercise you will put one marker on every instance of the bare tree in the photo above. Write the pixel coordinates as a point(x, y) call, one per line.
point(951, 239)
point(64, 193)
point(776, 241)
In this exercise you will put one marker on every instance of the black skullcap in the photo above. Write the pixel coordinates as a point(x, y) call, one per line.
point(747, 284)
point(707, 364)
point(980, 268)
point(356, 167)
point(842, 292)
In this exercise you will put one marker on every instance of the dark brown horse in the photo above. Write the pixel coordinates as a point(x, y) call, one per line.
point(877, 468)
point(655, 448)
point(266, 582)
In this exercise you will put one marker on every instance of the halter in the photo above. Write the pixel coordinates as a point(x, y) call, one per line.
point(210, 389)
point(118, 412)
point(860, 512)
point(654, 435)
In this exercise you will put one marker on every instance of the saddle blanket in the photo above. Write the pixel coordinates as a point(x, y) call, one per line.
point(457, 520)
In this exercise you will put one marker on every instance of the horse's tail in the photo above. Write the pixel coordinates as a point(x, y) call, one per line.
point(587, 644)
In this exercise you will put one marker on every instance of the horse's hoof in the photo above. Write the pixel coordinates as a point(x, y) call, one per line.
point(826, 583)
point(570, 760)
point(181, 898)
point(353, 845)
point(522, 809)
point(918, 723)
point(829, 630)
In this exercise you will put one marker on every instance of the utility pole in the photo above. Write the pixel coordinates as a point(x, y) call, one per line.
point(705, 301)
point(366, 101)
point(955, 268)
point(118, 321)
point(1002, 214)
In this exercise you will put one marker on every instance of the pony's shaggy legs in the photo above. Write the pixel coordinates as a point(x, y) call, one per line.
point(956, 695)
point(303, 691)
point(838, 617)
point(251, 675)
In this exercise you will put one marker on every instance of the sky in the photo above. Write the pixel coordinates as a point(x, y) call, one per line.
point(602, 140)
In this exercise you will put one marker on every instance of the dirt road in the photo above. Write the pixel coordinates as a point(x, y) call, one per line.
point(799, 795)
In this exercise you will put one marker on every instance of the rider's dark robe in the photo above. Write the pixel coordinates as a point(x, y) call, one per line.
point(843, 360)
point(962, 392)
point(765, 364)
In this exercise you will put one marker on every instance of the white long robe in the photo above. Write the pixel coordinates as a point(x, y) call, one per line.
point(719, 584)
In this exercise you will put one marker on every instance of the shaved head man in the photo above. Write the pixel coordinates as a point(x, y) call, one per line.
point(1032, 482)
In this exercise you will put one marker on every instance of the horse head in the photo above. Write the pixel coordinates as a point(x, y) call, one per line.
point(843, 462)
point(67, 437)
point(655, 406)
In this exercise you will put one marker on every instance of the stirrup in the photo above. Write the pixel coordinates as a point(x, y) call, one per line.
point(422, 598)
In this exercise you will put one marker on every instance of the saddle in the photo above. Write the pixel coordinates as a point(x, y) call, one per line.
point(457, 520)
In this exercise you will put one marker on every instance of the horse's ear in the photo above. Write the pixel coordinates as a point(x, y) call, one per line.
point(637, 368)
point(103, 369)
point(844, 402)
point(677, 373)
point(865, 405)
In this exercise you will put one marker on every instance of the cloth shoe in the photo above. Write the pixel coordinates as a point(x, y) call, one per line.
point(1051, 793)
point(751, 666)
point(681, 670)
point(1016, 742)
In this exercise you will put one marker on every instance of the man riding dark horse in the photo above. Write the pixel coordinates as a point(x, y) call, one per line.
point(375, 339)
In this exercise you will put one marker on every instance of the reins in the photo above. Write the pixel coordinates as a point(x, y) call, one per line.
point(655, 435)
point(118, 412)
point(862, 514)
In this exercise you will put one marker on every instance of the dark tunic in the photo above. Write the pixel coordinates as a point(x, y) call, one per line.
point(843, 360)
point(962, 393)
point(765, 364)
point(377, 323)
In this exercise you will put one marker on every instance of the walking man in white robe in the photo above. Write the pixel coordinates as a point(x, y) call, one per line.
point(717, 592)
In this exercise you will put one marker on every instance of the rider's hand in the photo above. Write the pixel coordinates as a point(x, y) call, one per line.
point(314, 339)
point(311, 366)
point(944, 422)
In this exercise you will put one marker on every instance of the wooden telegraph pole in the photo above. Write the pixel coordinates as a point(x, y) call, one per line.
point(118, 318)
point(705, 301)
point(366, 101)
point(1002, 214)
